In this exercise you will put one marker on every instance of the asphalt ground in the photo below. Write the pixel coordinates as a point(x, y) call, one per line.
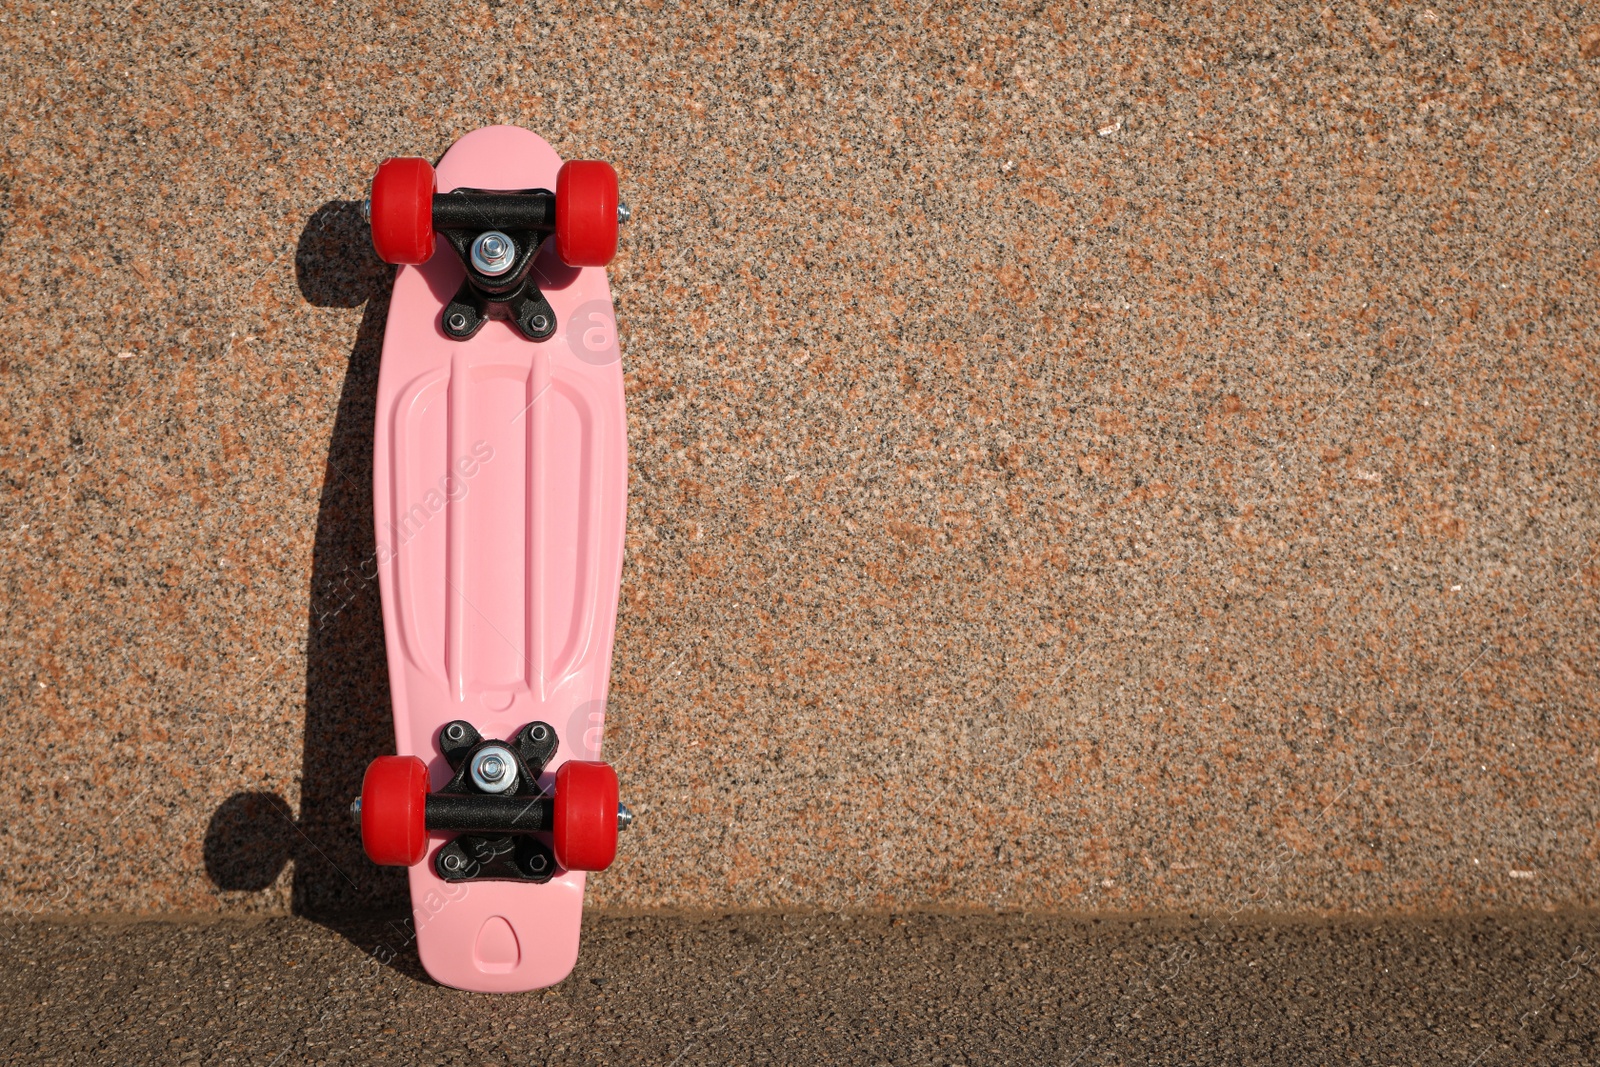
point(815, 988)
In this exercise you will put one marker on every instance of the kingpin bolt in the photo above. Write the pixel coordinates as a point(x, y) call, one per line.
point(494, 769)
point(493, 253)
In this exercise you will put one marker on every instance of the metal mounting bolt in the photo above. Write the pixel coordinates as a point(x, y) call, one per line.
point(537, 863)
point(452, 862)
point(493, 253)
point(540, 323)
point(624, 212)
point(624, 817)
point(494, 769)
point(458, 322)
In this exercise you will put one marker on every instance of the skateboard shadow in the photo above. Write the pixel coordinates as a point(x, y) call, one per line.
point(252, 836)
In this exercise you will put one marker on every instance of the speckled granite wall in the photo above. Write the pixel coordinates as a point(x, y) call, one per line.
point(1083, 459)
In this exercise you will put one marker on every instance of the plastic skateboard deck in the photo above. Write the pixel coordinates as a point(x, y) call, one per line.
point(500, 489)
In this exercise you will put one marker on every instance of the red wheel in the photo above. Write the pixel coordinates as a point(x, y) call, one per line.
point(586, 815)
point(402, 210)
point(394, 798)
point(586, 212)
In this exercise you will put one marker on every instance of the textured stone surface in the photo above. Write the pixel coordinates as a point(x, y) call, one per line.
point(1083, 459)
point(806, 989)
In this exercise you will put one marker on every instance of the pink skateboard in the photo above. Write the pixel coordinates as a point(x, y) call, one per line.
point(500, 481)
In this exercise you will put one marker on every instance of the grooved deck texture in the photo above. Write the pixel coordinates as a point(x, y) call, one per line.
point(1083, 458)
